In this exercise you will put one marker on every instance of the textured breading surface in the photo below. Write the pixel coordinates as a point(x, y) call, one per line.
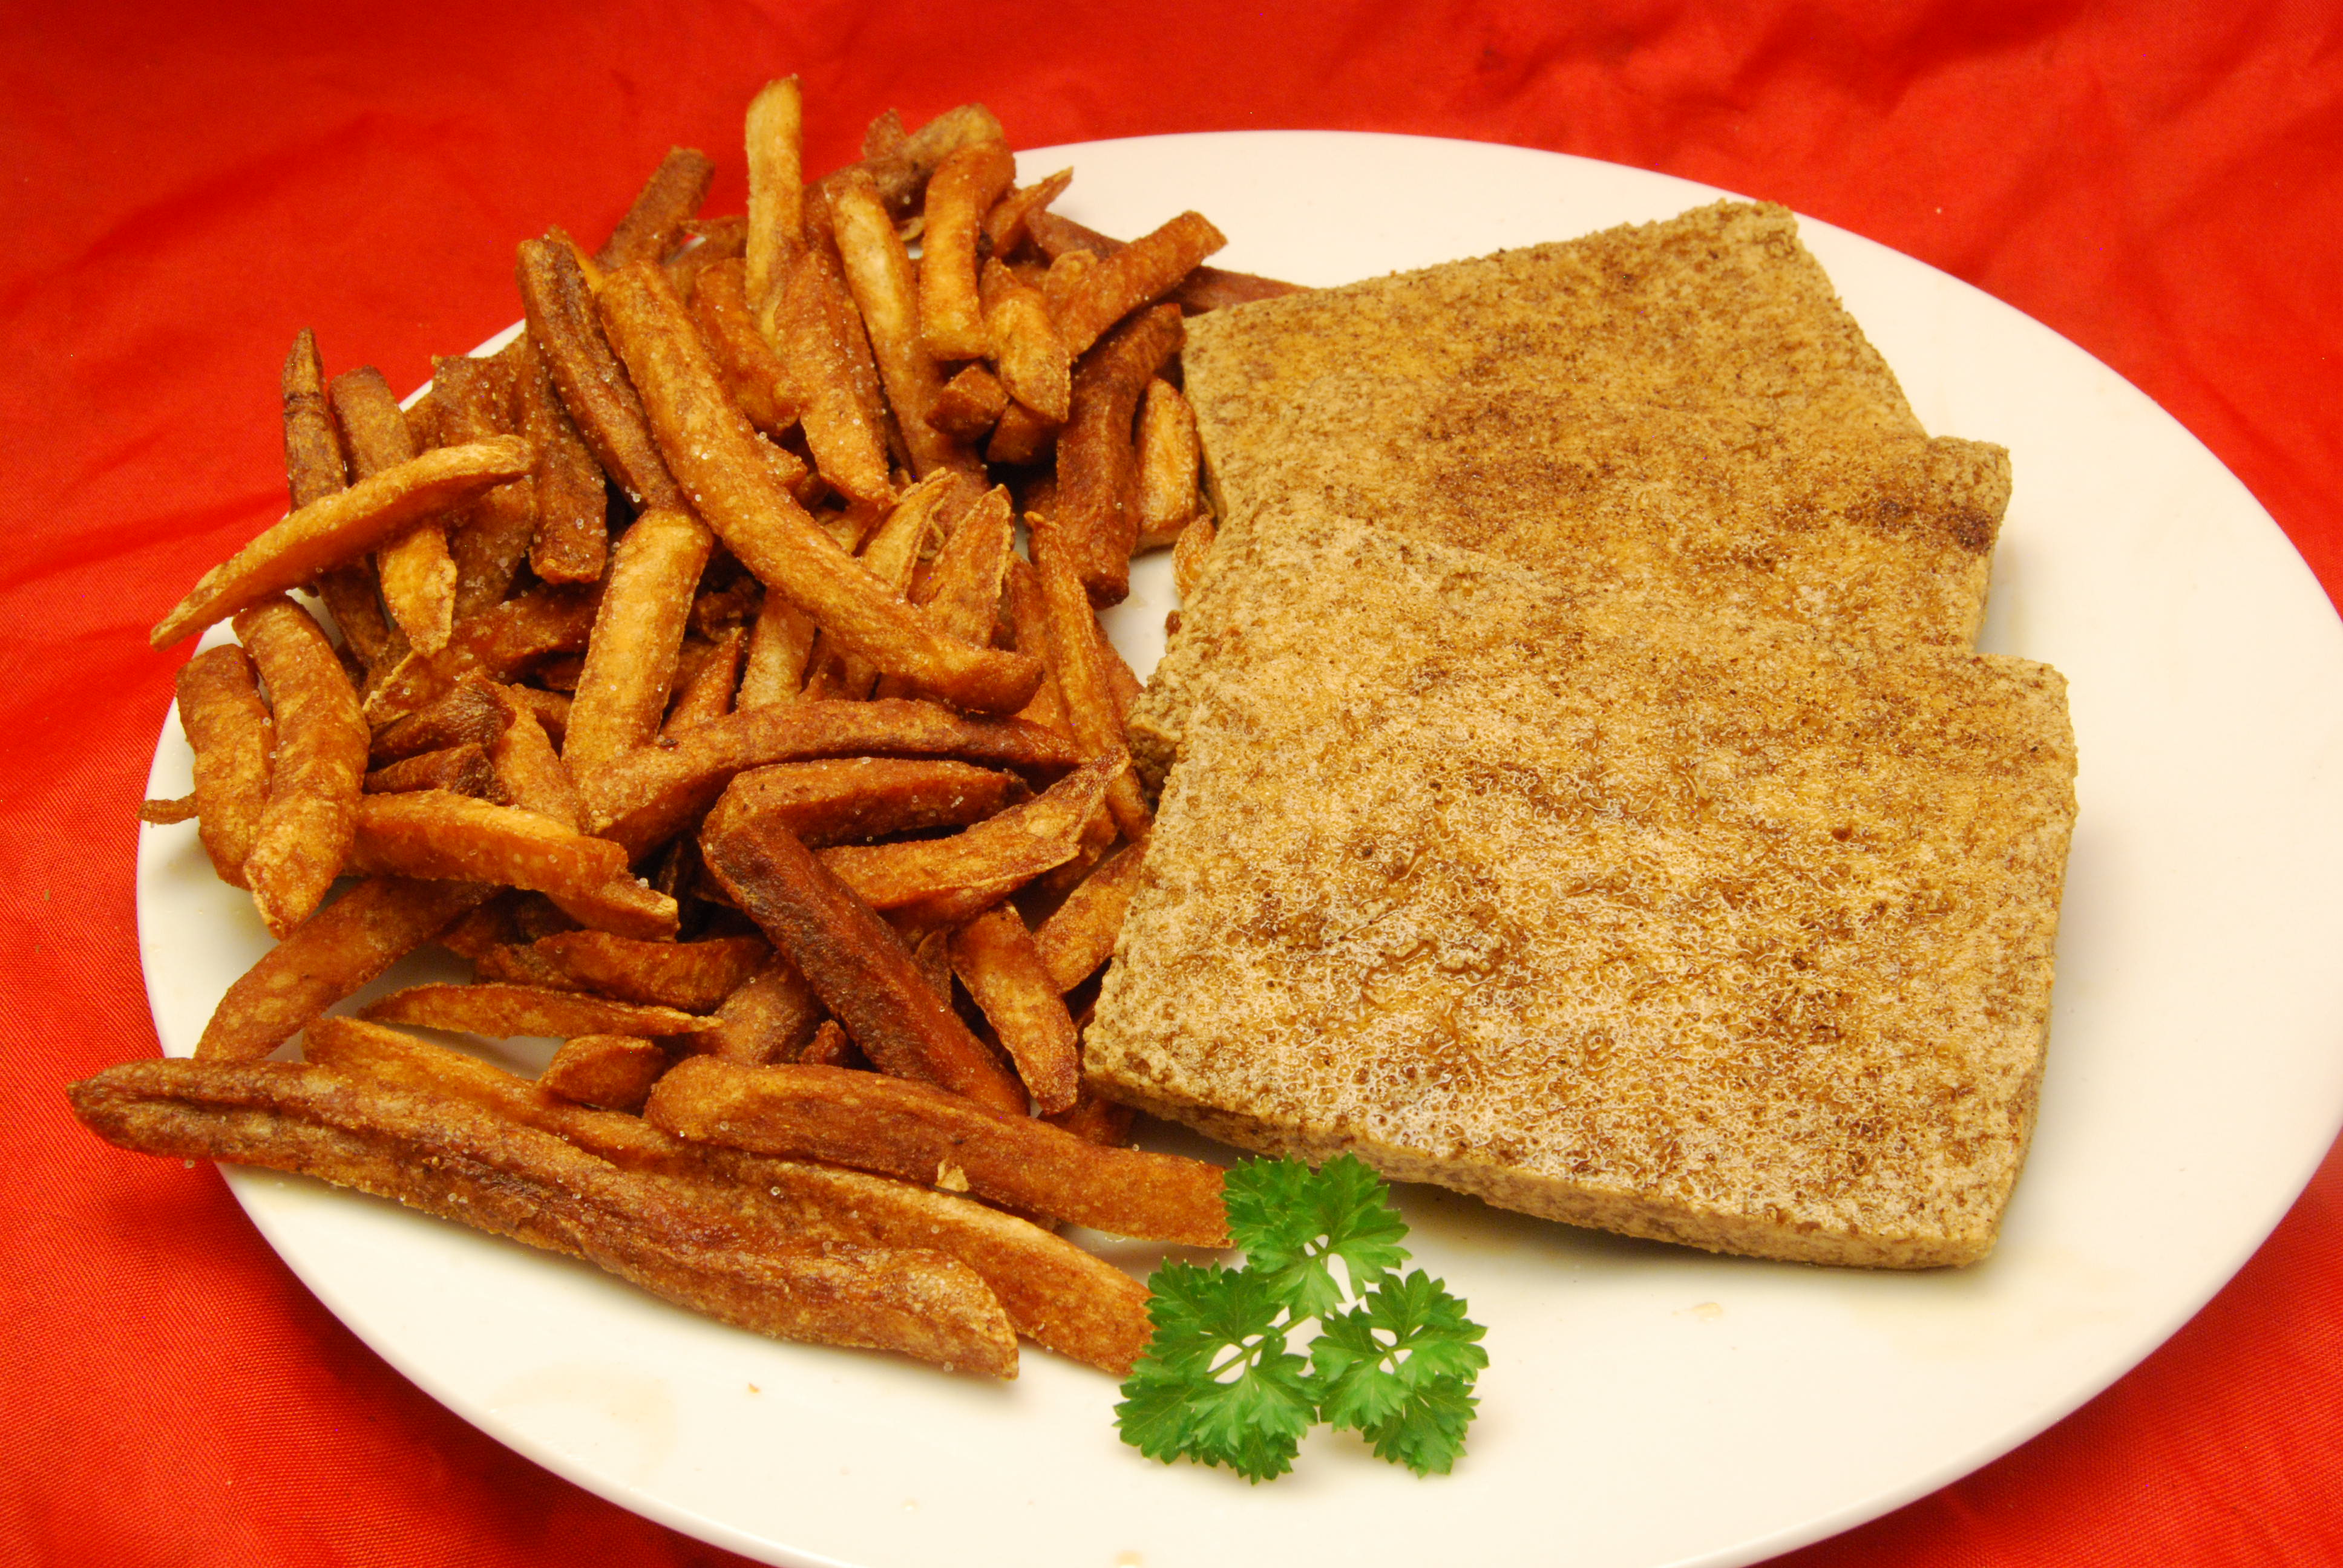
point(1688, 926)
point(1682, 408)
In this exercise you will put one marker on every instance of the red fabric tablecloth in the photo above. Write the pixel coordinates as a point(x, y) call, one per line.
point(187, 186)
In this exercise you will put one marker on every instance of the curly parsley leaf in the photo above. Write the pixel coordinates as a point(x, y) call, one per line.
point(1290, 1220)
point(1400, 1370)
point(1217, 1383)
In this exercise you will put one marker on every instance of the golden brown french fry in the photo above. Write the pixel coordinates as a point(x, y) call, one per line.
point(1028, 614)
point(1095, 1118)
point(1004, 225)
point(469, 713)
point(319, 765)
point(757, 377)
point(505, 1011)
point(572, 504)
point(607, 1071)
point(464, 769)
point(498, 643)
point(1204, 289)
point(651, 794)
point(440, 835)
point(878, 272)
point(631, 661)
point(530, 772)
point(691, 977)
point(314, 469)
point(811, 325)
point(709, 692)
point(769, 1019)
point(234, 739)
point(330, 956)
point(417, 574)
point(342, 527)
point(840, 801)
point(853, 961)
point(1091, 709)
point(167, 813)
point(668, 199)
point(871, 1122)
point(962, 590)
point(476, 401)
point(1079, 934)
point(1169, 456)
point(779, 647)
point(776, 138)
point(1020, 436)
point(891, 555)
point(1094, 523)
point(900, 164)
point(551, 707)
point(592, 384)
point(1189, 556)
point(1142, 272)
point(942, 881)
point(1066, 1299)
point(832, 1047)
point(459, 1161)
point(710, 441)
point(995, 958)
point(970, 405)
point(962, 189)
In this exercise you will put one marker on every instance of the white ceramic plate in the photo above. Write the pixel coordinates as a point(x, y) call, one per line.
point(1643, 1404)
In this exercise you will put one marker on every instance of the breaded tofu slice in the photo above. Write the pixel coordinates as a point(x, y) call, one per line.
point(1696, 927)
point(1680, 408)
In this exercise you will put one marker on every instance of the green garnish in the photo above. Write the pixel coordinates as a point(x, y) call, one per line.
point(1218, 1383)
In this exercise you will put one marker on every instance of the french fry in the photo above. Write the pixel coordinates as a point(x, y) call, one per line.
point(1095, 521)
point(668, 199)
point(962, 590)
point(507, 1011)
point(341, 527)
point(490, 539)
point(807, 322)
point(769, 1019)
point(1029, 353)
point(1028, 615)
point(314, 469)
point(498, 643)
point(326, 958)
point(471, 712)
point(942, 881)
point(630, 661)
point(1004, 225)
point(572, 541)
point(899, 169)
point(770, 533)
point(551, 707)
point(1139, 274)
point(690, 977)
point(891, 555)
point(459, 1161)
point(417, 573)
point(1189, 556)
point(1095, 1118)
point(855, 964)
point(1079, 934)
point(869, 1121)
point(780, 646)
point(464, 769)
point(607, 1071)
point(1020, 436)
point(775, 134)
point(755, 376)
point(970, 405)
point(651, 794)
point(530, 772)
point(440, 835)
point(962, 189)
point(879, 273)
point(1058, 1295)
point(1090, 710)
point(1204, 289)
point(995, 958)
point(319, 765)
point(831, 1046)
point(167, 813)
point(1169, 456)
point(709, 692)
point(229, 729)
point(838, 800)
point(593, 387)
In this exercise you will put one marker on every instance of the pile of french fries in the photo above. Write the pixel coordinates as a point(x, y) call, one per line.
point(690, 684)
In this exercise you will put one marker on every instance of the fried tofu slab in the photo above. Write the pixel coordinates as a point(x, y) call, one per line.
point(1695, 926)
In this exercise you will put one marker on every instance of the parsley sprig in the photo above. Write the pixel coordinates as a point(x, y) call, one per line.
point(1218, 1382)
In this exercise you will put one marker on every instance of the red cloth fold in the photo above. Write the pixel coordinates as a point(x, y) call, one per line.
point(186, 188)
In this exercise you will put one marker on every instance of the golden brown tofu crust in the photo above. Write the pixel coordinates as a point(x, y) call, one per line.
point(1691, 925)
